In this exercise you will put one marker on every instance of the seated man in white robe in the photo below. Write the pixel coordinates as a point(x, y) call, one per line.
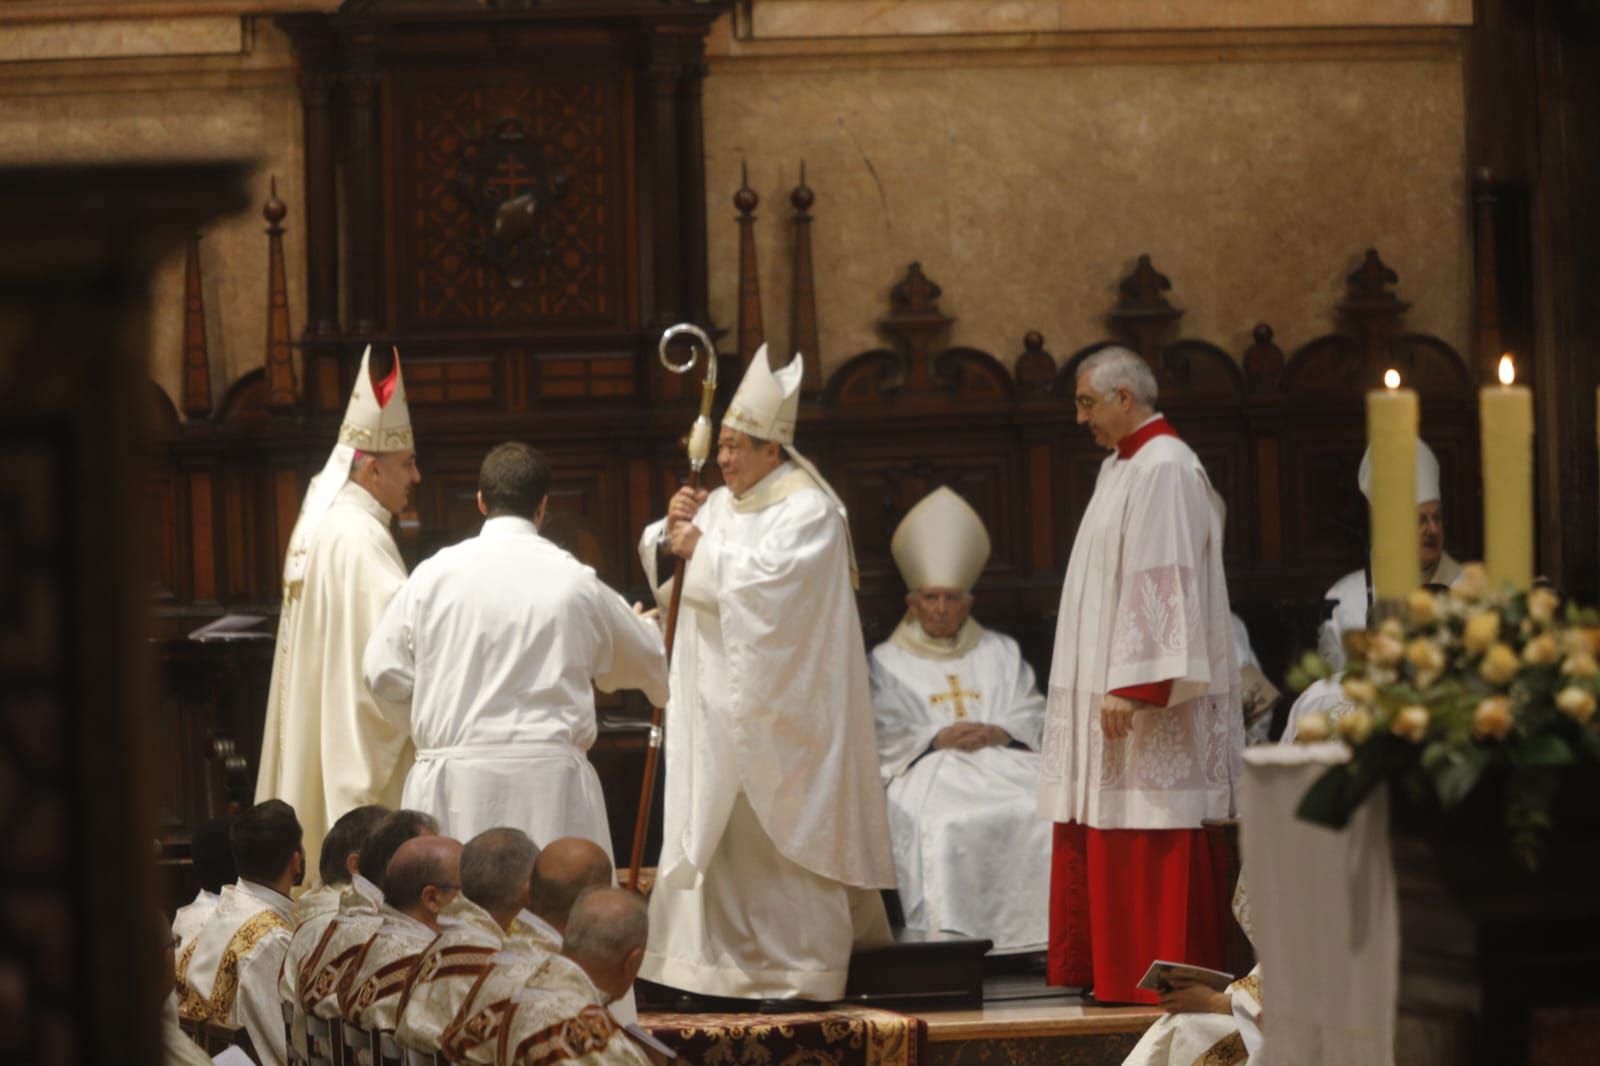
point(314, 911)
point(561, 1015)
point(323, 969)
point(1352, 594)
point(178, 1049)
point(211, 857)
point(421, 880)
point(496, 871)
point(229, 973)
point(958, 719)
point(497, 644)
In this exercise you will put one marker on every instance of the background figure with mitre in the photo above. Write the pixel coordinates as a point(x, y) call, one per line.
point(776, 840)
point(959, 717)
point(330, 745)
point(1352, 594)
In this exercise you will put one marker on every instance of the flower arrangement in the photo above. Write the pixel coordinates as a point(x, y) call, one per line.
point(1457, 688)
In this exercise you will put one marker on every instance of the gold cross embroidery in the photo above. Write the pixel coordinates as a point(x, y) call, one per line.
point(956, 693)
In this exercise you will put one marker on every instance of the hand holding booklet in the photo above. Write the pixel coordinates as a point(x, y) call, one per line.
point(1158, 978)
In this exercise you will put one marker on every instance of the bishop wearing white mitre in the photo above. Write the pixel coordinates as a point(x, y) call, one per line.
point(341, 570)
point(776, 841)
point(1352, 594)
point(959, 719)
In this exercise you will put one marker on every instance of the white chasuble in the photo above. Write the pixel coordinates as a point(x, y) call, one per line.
point(958, 817)
point(770, 715)
point(1145, 601)
point(229, 972)
point(369, 994)
point(329, 744)
point(450, 971)
point(497, 645)
point(320, 959)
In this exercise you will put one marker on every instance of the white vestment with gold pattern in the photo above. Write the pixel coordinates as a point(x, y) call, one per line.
point(229, 973)
point(957, 817)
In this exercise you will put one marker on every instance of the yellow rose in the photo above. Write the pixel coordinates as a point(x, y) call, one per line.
point(1425, 655)
point(1500, 665)
point(1575, 703)
point(1355, 726)
point(1472, 583)
point(1542, 604)
point(1580, 664)
point(1422, 607)
point(1542, 650)
point(1356, 644)
point(1359, 690)
point(1481, 631)
point(1386, 650)
point(1391, 627)
point(1311, 728)
point(1411, 723)
point(1492, 719)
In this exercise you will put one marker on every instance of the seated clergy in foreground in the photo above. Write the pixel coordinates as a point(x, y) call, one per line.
point(564, 871)
point(496, 870)
point(211, 857)
point(562, 1016)
point(420, 881)
point(360, 914)
point(498, 644)
point(229, 972)
point(775, 841)
point(959, 718)
point(1352, 594)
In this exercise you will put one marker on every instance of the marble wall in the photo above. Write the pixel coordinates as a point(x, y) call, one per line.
point(1027, 177)
point(1252, 158)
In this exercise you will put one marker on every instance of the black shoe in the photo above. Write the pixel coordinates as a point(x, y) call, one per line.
point(788, 1006)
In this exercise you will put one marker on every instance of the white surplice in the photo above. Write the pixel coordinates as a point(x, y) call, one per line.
point(497, 645)
point(775, 818)
point(312, 914)
point(191, 917)
point(957, 817)
point(318, 702)
point(448, 973)
point(1145, 600)
point(370, 992)
point(320, 961)
point(229, 973)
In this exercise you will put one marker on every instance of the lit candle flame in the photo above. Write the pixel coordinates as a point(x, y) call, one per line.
point(1391, 378)
point(1508, 370)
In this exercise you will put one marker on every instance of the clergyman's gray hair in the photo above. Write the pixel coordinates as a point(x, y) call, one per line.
point(605, 925)
point(495, 865)
point(1115, 368)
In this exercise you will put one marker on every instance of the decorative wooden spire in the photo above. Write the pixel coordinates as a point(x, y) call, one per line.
point(1036, 368)
point(1142, 312)
point(803, 302)
point(1375, 310)
point(196, 355)
point(281, 391)
point(751, 331)
point(916, 323)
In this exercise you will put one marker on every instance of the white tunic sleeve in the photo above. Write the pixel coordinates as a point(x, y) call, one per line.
point(257, 1007)
point(904, 727)
point(631, 655)
point(389, 664)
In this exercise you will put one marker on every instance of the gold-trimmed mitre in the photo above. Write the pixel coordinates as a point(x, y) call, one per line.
point(766, 402)
point(377, 418)
point(941, 543)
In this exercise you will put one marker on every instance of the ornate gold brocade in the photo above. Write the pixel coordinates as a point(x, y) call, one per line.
point(226, 986)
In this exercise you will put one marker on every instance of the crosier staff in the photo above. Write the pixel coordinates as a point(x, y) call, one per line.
point(699, 450)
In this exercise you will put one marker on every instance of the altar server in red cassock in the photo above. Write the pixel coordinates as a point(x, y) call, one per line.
point(1143, 727)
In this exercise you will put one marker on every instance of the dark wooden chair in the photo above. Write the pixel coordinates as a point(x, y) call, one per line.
point(324, 1042)
point(213, 1037)
point(293, 1052)
point(359, 1049)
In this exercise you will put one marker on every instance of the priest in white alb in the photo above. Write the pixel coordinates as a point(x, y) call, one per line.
point(496, 645)
point(1352, 594)
point(1143, 725)
point(959, 718)
point(776, 841)
point(329, 745)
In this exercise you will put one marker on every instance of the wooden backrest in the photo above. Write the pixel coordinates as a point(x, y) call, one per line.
point(295, 1052)
point(213, 1037)
point(324, 1042)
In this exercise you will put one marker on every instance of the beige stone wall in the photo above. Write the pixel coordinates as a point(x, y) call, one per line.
point(1027, 173)
point(172, 88)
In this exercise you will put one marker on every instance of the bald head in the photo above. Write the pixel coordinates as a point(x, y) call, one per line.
point(423, 875)
point(605, 934)
point(496, 870)
point(563, 870)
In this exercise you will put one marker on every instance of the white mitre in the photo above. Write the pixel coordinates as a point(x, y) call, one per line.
point(941, 543)
point(376, 419)
point(1427, 474)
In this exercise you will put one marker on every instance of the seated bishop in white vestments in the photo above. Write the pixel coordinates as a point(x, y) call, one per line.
point(776, 840)
point(341, 569)
point(229, 972)
point(959, 718)
point(497, 644)
point(1352, 594)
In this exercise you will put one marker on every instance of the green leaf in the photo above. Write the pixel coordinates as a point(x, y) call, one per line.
point(1589, 741)
point(1455, 777)
point(1544, 749)
point(1324, 802)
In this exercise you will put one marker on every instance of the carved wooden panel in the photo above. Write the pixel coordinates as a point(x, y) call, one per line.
point(471, 141)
